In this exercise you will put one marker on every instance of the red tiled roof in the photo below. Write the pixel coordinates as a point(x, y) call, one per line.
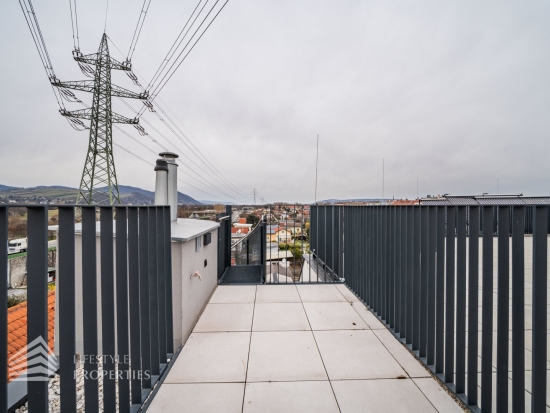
point(17, 326)
point(242, 220)
point(239, 230)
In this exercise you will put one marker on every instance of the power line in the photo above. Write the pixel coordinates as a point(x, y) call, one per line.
point(106, 12)
point(74, 24)
point(167, 58)
point(190, 142)
point(139, 26)
point(159, 88)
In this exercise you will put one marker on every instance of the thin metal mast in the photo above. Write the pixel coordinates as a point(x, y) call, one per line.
point(316, 168)
point(99, 184)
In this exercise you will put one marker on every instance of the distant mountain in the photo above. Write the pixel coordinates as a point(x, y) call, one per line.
point(182, 198)
point(129, 194)
point(7, 188)
point(216, 202)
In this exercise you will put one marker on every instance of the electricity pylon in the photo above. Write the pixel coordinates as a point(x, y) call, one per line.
point(99, 183)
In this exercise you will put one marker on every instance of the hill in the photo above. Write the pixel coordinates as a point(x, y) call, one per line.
point(62, 194)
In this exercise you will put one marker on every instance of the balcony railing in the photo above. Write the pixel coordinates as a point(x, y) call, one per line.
point(418, 269)
point(125, 301)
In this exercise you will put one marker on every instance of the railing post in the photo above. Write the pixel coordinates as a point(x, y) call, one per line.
point(66, 295)
point(37, 301)
point(424, 268)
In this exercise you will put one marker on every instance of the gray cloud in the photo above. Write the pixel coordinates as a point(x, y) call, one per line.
point(455, 94)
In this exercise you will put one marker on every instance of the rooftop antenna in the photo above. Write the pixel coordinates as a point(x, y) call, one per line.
point(316, 168)
point(382, 178)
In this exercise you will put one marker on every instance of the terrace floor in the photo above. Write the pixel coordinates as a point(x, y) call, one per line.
point(288, 348)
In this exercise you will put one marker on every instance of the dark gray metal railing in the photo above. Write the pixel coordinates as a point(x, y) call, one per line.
point(413, 265)
point(142, 341)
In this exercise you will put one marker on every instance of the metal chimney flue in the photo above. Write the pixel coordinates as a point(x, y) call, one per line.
point(161, 182)
point(172, 183)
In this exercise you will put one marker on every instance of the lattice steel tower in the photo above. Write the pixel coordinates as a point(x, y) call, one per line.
point(99, 183)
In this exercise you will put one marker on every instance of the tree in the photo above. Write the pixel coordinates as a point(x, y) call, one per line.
point(252, 219)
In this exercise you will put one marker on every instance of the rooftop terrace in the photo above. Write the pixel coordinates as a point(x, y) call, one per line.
point(288, 348)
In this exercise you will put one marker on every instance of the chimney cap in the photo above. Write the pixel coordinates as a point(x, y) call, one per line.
point(168, 155)
point(161, 165)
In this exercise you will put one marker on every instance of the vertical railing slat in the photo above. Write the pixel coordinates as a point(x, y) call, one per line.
point(416, 282)
point(410, 272)
point(144, 298)
point(168, 278)
point(440, 292)
point(134, 304)
point(107, 309)
point(37, 300)
point(424, 254)
point(66, 295)
point(487, 311)
point(431, 302)
point(540, 285)
point(450, 295)
point(461, 300)
point(518, 309)
point(161, 292)
point(123, 350)
point(89, 307)
point(473, 305)
point(503, 308)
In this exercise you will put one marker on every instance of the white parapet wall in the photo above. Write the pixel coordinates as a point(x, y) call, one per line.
point(189, 294)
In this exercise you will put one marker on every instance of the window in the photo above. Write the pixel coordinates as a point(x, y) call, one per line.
point(198, 243)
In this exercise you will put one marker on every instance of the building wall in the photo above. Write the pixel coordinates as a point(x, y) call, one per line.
point(189, 296)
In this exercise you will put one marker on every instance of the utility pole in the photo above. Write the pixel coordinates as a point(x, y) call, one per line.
point(99, 184)
point(254, 193)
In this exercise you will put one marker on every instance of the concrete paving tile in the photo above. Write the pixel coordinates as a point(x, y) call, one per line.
point(347, 293)
point(284, 356)
point(234, 294)
point(372, 321)
point(437, 396)
point(290, 397)
point(320, 293)
point(356, 354)
point(198, 398)
point(280, 317)
point(380, 396)
point(407, 361)
point(211, 357)
point(334, 316)
point(277, 294)
point(225, 317)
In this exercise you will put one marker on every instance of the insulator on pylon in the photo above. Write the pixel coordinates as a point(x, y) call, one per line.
point(77, 124)
point(140, 129)
point(76, 53)
point(86, 69)
point(69, 96)
point(149, 105)
point(134, 78)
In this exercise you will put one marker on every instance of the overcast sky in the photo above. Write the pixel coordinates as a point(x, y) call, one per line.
point(456, 94)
